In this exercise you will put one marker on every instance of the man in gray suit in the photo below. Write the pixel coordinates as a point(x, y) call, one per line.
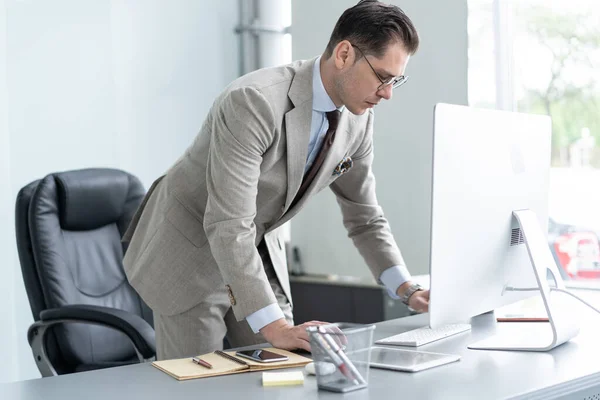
point(205, 248)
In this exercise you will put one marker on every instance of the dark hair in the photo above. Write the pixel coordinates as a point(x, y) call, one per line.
point(372, 26)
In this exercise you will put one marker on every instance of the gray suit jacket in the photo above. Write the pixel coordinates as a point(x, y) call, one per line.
point(197, 230)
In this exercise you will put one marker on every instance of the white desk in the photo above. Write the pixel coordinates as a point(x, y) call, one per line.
point(571, 371)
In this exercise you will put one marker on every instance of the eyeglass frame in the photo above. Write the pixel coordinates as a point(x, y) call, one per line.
point(395, 81)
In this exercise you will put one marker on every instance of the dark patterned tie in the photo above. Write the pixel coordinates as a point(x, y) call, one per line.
point(334, 118)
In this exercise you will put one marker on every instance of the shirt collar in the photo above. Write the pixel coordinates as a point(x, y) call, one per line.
point(321, 100)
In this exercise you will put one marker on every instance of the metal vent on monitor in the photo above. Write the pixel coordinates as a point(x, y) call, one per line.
point(516, 238)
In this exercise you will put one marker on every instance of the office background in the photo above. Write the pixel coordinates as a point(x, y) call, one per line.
point(127, 83)
point(123, 84)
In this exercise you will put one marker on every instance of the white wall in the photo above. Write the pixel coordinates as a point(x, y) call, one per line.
point(7, 266)
point(403, 134)
point(122, 84)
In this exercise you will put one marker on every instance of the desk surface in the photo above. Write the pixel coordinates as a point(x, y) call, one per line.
point(479, 375)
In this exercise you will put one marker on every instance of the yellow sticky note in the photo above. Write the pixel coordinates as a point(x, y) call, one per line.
point(283, 378)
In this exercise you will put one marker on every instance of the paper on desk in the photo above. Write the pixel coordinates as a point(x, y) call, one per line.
point(283, 378)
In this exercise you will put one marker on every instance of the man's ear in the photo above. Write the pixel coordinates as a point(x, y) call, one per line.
point(343, 54)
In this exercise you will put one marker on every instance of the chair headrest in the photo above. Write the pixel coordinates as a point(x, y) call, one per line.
point(91, 198)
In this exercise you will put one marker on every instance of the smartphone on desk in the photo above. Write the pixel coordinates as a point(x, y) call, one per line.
point(262, 356)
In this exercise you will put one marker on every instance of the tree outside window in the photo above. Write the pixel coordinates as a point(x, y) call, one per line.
point(553, 66)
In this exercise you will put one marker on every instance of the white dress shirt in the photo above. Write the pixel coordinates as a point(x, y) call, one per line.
point(392, 277)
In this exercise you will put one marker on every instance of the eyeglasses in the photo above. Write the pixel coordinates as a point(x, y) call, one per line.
point(395, 81)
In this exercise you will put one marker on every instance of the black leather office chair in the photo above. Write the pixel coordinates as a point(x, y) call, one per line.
point(69, 227)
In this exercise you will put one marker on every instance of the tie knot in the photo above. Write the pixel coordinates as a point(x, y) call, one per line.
point(334, 118)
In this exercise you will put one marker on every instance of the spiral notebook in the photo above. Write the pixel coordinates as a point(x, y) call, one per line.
point(184, 368)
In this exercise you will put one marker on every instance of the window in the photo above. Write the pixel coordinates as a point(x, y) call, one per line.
point(542, 57)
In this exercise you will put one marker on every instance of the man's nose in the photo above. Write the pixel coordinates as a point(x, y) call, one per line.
point(386, 92)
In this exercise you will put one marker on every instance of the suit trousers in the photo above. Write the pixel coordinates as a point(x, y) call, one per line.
point(201, 329)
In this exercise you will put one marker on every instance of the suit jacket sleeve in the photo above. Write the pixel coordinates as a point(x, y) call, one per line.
point(242, 129)
point(362, 215)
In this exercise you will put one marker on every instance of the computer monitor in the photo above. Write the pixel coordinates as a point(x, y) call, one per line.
point(489, 218)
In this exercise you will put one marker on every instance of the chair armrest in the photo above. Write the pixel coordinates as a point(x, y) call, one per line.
point(136, 328)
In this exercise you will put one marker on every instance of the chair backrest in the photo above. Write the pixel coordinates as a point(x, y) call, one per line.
point(69, 227)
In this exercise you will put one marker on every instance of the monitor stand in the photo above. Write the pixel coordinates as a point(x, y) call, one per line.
point(535, 336)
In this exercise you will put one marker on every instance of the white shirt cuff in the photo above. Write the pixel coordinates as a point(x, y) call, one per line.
point(393, 277)
point(257, 320)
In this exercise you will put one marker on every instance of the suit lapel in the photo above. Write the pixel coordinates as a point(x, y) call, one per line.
point(297, 128)
point(334, 156)
point(336, 153)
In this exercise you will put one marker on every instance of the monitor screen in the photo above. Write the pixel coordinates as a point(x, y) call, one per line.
point(486, 164)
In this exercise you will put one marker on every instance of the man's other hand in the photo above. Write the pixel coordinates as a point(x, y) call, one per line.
point(419, 301)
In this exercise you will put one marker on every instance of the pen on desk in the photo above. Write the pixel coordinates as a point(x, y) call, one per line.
point(337, 361)
point(232, 358)
point(522, 319)
point(200, 361)
point(337, 349)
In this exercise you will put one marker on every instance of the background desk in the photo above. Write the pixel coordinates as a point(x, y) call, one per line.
point(342, 298)
point(571, 371)
point(345, 298)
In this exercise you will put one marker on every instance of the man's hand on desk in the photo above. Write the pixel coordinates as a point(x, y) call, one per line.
point(285, 336)
point(418, 301)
